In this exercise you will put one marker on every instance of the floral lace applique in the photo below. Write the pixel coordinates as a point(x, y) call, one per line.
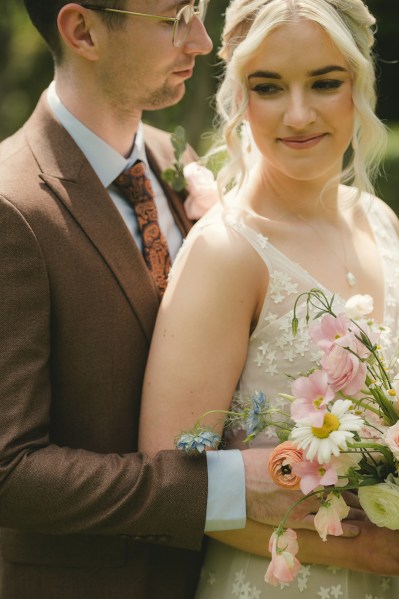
point(281, 286)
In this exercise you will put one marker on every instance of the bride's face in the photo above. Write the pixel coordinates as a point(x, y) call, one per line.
point(300, 106)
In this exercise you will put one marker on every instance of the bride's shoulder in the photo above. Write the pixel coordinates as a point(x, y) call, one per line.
point(389, 212)
point(372, 205)
point(215, 242)
point(379, 207)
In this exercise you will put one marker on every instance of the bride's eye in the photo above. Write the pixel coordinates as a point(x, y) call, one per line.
point(327, 84)
point(266, 89)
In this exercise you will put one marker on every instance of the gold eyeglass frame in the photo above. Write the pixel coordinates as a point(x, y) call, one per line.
point(195, 11)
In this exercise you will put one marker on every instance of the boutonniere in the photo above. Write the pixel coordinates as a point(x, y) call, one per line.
point(196, 179)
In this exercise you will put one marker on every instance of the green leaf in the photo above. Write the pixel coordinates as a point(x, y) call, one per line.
point(174, 175)
point(179, 142)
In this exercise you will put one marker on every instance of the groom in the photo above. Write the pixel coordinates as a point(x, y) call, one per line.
point(83, 515)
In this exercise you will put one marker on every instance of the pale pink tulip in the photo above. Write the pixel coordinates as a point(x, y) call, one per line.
point(312, 394)
point(328, 519)
point(284, 566)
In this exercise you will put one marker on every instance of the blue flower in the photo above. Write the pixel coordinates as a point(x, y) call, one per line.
point(255, 419)
point(197, 440)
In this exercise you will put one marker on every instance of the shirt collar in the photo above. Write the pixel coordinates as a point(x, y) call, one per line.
point(106, 162)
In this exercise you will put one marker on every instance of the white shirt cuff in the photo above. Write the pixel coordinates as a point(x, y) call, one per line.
point(226, 508)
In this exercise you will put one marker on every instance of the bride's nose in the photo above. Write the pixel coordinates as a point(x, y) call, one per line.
point(299, 112)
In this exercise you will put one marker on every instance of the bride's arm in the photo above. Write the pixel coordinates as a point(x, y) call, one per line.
point(201, 336)
point(374, 550)
point(197, 355)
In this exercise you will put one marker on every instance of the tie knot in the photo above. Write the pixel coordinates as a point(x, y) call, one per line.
point(136, 182)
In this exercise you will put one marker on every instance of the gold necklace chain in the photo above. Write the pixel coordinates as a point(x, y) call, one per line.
point(350, 277)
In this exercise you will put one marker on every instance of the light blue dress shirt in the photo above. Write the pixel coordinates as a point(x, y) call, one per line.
point(226, 479)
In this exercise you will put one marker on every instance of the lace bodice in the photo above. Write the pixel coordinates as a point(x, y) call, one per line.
point(274, 355)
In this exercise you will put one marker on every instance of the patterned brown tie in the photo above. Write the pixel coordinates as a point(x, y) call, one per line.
point(138, 191)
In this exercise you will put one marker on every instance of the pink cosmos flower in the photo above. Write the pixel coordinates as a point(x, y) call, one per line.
point(284, 566)
point(329, 329)
point(312, 395)
point(391, 438)
point(345, 371)
point(328, 519)
point(313, 475)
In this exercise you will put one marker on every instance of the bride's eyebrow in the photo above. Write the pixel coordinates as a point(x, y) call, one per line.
point(264, 75)
point(326, 70)
point(316, 73)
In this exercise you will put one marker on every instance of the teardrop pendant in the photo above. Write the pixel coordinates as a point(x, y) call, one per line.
point(351, 279)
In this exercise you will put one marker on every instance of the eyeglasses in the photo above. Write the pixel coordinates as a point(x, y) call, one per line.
point(181, 23)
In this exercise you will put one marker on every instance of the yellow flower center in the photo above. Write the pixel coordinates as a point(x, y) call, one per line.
point(330, 424)
point(317, 402)
point(391, 392)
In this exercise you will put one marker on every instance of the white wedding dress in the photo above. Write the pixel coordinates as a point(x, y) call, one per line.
point(273, 354)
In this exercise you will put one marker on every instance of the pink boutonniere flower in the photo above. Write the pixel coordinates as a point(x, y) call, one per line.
point(201, 188)
point(198, 181)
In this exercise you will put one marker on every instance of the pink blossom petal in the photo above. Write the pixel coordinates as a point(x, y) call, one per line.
point(312, 394)
point(284, 566)
point(329, 329)
point(328, 519)
point(314, 475)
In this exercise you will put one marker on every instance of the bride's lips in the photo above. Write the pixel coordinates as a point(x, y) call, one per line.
point(302, 142)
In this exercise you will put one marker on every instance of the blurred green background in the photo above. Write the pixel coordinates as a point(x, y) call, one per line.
point(26, 68)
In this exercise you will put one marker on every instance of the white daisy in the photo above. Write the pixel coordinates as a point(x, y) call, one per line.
point(338, 427)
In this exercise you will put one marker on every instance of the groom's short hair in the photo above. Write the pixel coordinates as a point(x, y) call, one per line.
point(44, 13)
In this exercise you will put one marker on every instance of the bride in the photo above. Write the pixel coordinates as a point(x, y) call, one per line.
point(297, 109)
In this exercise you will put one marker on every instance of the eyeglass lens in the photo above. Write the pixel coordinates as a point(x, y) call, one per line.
point(185, 17)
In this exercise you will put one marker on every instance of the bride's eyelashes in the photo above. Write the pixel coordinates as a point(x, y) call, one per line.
point(272, 89)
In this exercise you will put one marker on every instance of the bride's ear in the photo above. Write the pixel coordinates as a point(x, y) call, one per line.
point(78, 30)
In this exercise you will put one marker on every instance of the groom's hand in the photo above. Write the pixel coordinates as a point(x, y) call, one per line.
point(267, 503)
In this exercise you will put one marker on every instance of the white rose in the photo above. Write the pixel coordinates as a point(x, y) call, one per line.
point(359, 306)
point(381, 504)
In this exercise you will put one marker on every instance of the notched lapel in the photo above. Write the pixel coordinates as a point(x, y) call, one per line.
point(71, 178)
point(91, 207)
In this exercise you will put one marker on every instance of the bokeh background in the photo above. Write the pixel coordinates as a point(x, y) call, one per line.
point(26, 68)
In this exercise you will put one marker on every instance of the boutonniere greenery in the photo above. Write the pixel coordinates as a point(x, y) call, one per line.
point(174, 175)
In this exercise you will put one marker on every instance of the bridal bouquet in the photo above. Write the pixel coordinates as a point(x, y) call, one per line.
point(343, 434)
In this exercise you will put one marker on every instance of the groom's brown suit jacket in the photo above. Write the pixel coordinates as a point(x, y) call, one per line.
point(82, 514)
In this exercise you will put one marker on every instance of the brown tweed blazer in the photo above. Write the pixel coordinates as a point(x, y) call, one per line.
point(83, 515)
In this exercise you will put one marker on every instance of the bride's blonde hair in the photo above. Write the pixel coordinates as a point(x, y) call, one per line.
point(350, 26)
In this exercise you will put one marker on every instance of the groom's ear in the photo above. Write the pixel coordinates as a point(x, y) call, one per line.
point(79, 30)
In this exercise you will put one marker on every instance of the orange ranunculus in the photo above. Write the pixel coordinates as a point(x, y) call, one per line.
point(281, 460)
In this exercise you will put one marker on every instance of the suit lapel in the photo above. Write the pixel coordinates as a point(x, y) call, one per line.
point(70, 177)
point(176, 204)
